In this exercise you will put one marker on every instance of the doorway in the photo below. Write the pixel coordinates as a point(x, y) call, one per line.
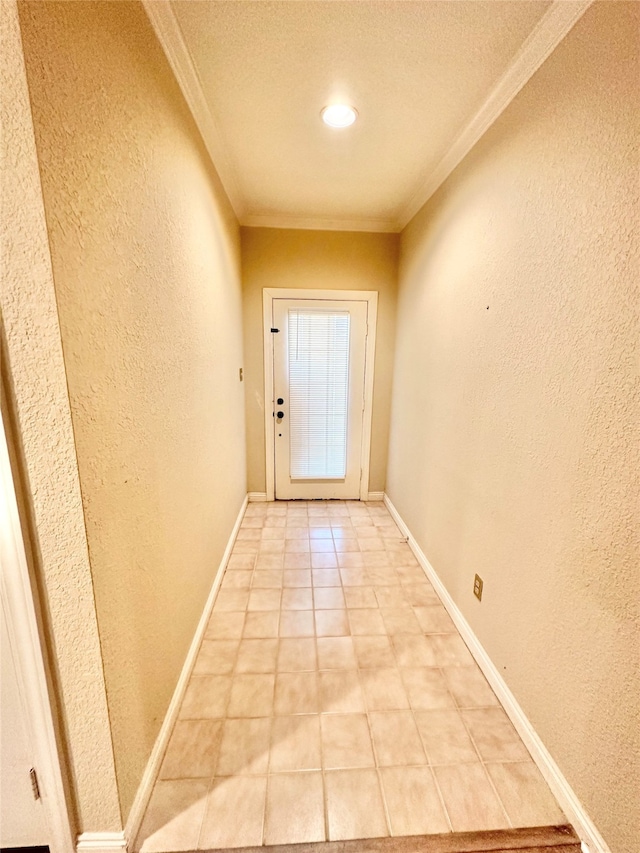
point(33, 809)
point(318, 353)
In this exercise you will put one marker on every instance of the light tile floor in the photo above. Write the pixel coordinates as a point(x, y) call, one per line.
point(333, 698)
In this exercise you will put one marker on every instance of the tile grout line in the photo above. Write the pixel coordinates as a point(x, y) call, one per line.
point(204, 811)
point(374, 752)
point(440, 796)
point(385, 805)
point(486, 772)
point(222, 726)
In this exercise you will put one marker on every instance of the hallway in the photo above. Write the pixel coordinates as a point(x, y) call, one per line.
point(332, 698)
point(166, 166)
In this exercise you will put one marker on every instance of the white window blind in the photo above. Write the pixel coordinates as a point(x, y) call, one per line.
point(318, 393)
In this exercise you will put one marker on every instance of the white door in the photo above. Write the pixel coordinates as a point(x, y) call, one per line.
point(22, 819)
point(319, 360)
point(29, 816)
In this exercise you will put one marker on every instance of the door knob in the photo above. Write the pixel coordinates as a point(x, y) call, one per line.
point(279, 401)
point(279, 414)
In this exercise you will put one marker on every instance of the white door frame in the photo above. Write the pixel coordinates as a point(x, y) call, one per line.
point(368, 296)
point(17, 597)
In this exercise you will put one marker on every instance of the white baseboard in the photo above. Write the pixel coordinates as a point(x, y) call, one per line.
point(157, 753)
point(101, 842)
point(561, 789)
point(257, 497)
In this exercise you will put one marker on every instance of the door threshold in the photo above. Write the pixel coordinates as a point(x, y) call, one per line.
point(538, 839)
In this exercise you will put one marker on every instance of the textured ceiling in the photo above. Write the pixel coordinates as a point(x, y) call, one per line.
point(417, 71)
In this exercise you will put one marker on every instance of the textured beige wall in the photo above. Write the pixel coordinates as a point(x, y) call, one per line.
point(325, 260)
point(145, 256)
point(514, 445)
point(34, 376)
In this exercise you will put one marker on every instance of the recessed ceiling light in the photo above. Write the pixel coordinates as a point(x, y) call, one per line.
point(339, 115)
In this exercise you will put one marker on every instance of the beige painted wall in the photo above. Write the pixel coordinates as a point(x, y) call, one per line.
point(273, 257)
point(514, 445)
point(37, 413)
point(145, 254)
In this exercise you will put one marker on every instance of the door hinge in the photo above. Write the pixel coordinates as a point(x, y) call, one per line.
point(34, 784)
point(273, 331)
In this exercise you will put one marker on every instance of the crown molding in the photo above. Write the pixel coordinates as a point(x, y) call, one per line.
point(316, 223)
point(550, 30)
point(169, 34)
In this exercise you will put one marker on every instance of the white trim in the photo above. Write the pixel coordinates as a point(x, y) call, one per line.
point(550, 30)
point(368, 296)
point(267, 366)
point(157, 753)
point(367, 414)
point(169, 34)
point(318, 223)
point(375, 497)
point(22, 624)
point(102, 842)
point(554, 777)
point(257, 497)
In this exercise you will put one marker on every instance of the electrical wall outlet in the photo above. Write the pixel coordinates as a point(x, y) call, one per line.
point(477, 587)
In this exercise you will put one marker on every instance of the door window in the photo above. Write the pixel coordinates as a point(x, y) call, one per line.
point(318, 393)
